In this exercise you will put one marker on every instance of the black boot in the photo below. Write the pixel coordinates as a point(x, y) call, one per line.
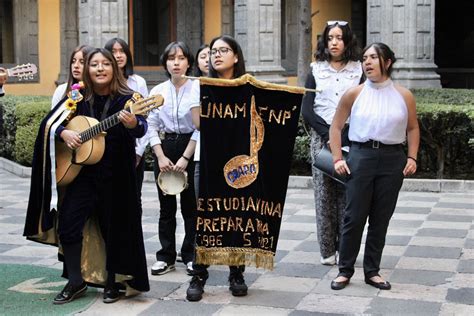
point(76, 285)
point(195, 289)
point(237, 282)
point(70, 292)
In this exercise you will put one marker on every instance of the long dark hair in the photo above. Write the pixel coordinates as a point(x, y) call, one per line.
point(197, 71)
point(85, 49)
point(239, 67)
point(385, 53)
point(128, 69)
point(118, 85)
point(351, 48)
point(171, 49)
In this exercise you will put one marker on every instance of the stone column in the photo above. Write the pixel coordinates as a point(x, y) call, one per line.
point(101, 20)
point(257, 29)
point(407, 26)
point(69, 35)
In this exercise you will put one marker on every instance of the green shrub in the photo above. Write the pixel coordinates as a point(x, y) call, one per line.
point(444, 96)
point(8, 121)
point(447, 135)
point(29, 116)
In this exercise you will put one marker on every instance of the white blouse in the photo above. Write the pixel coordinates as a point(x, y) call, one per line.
point(379, 113)
point(138, 84)
point(58, 94)
point(174, 116)
point(332, 84)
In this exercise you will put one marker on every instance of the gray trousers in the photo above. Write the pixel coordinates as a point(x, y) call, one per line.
point(372, 192)
point(329, 200)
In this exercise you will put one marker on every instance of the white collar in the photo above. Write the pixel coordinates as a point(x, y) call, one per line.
point(379, 85)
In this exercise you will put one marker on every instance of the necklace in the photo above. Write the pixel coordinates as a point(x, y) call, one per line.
point(175, 95)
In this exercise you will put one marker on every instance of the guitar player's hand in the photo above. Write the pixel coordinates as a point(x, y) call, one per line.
point(3, 76)
point(129, 120)
point(71, 138)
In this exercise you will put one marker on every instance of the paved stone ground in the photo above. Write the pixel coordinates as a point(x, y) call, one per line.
point(428, 258)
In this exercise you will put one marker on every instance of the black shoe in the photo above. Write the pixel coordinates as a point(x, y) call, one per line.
point(339, 285)
point(237, 285)
point(385, 285)
point(195, 289)
point(111, 295)
point(70, 292)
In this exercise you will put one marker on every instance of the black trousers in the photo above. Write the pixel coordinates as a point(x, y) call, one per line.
point(372, 191)
point(174, 148)
point(84, 197)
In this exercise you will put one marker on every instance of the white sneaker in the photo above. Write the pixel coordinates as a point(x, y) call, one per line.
point(329, 261)
point(161, 267)
point(189, 268)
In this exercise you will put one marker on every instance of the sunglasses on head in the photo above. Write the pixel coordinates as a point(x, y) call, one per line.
point(341, 23)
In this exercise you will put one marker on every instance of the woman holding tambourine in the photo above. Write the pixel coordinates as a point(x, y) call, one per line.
point(171, 138)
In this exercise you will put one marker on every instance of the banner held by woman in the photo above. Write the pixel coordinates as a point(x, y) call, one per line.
point(248, 130)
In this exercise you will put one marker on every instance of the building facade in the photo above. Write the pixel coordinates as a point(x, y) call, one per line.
point(44, 32)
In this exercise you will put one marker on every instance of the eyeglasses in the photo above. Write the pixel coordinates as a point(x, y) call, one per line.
point(341, 23)
point(222, 51)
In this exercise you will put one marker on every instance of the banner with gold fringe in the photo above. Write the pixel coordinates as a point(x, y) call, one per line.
point(248, 130)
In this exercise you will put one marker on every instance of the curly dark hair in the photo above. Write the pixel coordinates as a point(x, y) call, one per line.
point(351, 47)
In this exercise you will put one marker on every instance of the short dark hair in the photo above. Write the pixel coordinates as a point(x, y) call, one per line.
point(351, 48)
point(118, 86)
point(197, 71)
point(385, 53)
point(186, 52)
point(128, 69)
point(239, 67)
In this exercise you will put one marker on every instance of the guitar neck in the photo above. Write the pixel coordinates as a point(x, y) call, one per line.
point(104, 125)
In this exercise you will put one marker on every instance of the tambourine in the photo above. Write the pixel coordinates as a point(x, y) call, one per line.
point(172, 182)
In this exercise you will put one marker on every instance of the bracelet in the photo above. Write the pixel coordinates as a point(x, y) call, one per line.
point(187, 159)
point(337, 160)
point(409, 157)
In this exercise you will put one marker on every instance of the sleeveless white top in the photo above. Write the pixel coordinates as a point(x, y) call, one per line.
point(379, 113)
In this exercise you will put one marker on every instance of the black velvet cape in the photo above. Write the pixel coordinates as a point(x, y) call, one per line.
point(125, 247)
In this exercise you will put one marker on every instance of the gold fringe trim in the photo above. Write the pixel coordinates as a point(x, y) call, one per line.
point(250, 79)
point(232, 256)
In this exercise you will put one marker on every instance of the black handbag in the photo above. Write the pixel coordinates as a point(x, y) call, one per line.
point(324, 162)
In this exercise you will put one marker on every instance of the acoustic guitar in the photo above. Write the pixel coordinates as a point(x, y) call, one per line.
point(92, 132)
point(23, 72)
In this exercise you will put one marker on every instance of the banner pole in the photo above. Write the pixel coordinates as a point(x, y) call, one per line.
point(305, 89)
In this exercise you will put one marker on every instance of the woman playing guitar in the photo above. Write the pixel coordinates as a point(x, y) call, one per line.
point(103, 193)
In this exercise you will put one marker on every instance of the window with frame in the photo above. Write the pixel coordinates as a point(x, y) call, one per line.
point(152, 27)
point(6, 32)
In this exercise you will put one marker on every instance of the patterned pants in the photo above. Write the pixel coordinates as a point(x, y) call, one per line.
point(330, 202)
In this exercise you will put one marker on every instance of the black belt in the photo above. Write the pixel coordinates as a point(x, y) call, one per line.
point(175, 136)
point(375, 144)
